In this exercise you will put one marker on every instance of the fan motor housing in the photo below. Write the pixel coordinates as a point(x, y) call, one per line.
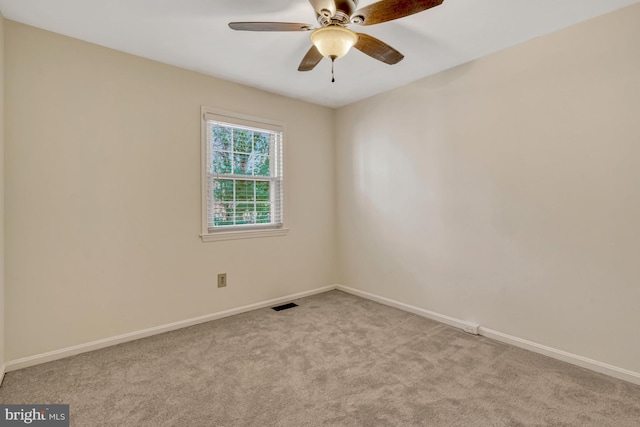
point(347, 6)
point(344, 10)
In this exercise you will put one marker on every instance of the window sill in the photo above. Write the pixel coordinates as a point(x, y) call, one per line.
point(249, 234)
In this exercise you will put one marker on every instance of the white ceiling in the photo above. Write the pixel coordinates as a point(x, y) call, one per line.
point(193, 34)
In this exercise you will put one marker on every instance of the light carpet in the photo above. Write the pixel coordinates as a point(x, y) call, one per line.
point(335, 360)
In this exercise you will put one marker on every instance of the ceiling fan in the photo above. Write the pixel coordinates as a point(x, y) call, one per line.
point(333, 39)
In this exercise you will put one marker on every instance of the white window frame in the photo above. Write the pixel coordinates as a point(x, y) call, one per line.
point(237, 231)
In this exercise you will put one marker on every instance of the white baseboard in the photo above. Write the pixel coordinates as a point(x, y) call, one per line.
point(594, 365)
point(107, 342)
point(456, 323)
point(574, 359)
point(584, 362)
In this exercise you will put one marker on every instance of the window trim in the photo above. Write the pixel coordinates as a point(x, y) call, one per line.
point(238, 231)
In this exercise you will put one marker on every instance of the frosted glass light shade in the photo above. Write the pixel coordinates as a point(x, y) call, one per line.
point(333, 41)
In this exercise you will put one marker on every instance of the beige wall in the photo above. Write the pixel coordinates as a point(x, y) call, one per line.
point(503, 192)
point(2, 359)
point(103, 196)
point(507, 191)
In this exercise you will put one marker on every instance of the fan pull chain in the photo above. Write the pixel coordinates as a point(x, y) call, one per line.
point(333, 60)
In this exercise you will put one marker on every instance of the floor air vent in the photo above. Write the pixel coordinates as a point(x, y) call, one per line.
point(285, 306)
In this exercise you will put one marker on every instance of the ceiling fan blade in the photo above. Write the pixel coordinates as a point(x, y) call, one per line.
point(269, 26)
point(388, 10)
point(378, 49)
point(326, 8)
point(310, 60)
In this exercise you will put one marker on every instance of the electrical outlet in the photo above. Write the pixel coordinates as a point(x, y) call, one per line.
point(222, 280)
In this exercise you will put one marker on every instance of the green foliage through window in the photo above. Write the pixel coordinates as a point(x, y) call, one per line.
point(242, 182)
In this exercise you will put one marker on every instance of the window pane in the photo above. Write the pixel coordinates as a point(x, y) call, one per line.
point(261, 166)
point(261, 143)
point(245, 190)
point(262, 191)
point(241, 164)
point(243, 187)
point(223, 190)
point(223, 214)
point(245, 213)
point(221, 162)
point(263, 213)
point(221, 138)
point(242, 141)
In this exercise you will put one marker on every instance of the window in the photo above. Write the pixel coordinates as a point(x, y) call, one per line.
point(242, 176)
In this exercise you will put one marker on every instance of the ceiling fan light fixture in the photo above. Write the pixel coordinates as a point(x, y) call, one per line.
point(333, 41)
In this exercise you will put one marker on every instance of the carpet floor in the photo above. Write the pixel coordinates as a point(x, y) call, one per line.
point(335, 360)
